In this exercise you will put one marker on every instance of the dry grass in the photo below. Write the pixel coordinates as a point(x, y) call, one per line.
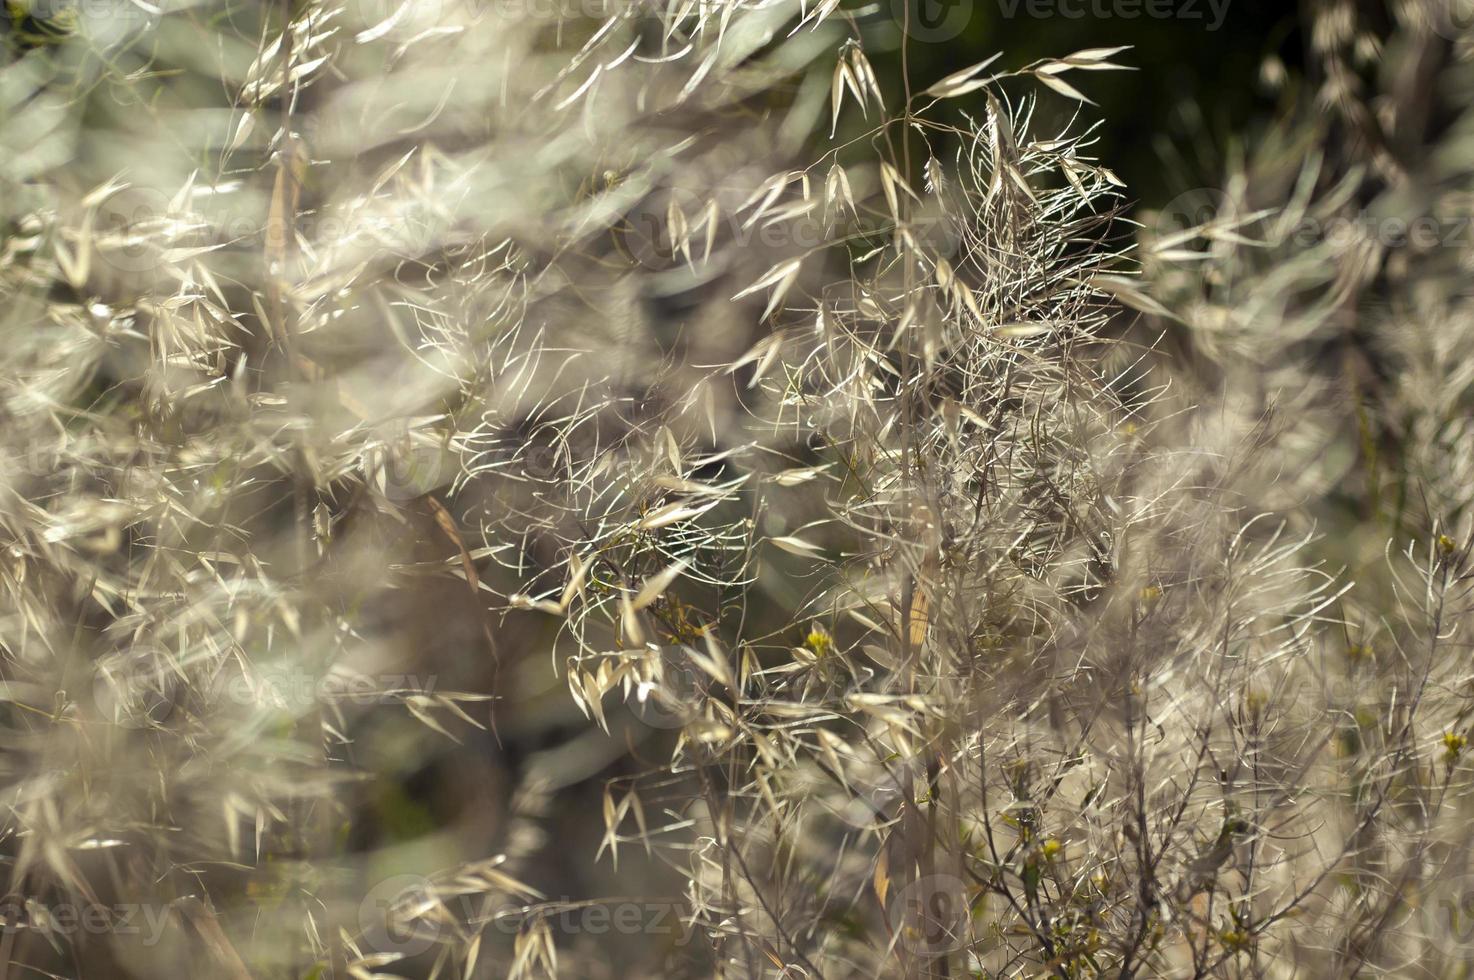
point(499, 489)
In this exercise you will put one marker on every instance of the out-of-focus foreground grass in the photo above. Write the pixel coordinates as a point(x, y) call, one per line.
point(500, 487)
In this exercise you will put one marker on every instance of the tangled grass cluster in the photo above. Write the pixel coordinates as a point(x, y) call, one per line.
point(611, 491)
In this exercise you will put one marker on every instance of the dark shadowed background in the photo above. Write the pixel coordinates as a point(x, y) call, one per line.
point(1200, 83)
